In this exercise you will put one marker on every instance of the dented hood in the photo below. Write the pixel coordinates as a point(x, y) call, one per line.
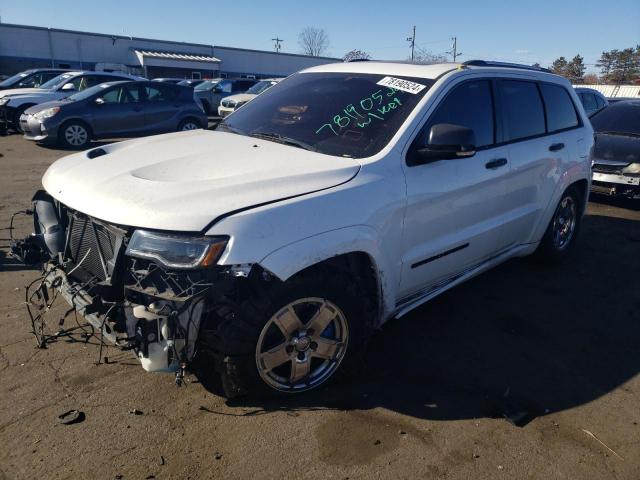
point(184, 181)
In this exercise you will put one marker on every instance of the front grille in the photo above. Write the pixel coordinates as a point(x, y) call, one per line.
point(92, 245)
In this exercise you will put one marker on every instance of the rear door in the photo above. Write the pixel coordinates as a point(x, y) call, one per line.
point(538, 150)
point(162, 107)
point(119, 112)
point(454, 207)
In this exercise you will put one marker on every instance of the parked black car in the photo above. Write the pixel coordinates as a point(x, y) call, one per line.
point(192, 82)
point(31, 78)
point(167, 80)
point(114, 109)
point(212, 91)
point(616, 156)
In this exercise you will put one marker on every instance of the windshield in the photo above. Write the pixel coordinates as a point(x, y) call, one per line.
point(618, 119)
point(86, 93)
point(260, 87)
point(208, 84)
point(344, 114)
point(11, 80)
point(55, 81)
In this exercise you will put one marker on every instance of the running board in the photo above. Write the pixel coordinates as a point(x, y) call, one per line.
point(408, 303)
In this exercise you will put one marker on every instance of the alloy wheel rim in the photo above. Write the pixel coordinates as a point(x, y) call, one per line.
point(564, 223)
point(302, 345)
point(76, 135)
point(189, 126)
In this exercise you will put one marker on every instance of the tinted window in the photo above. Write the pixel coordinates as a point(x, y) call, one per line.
point(469, 105)
point(225, 86)
point(600, 101)
point(559, 107)
point(522, 111)
point(160, 93)
point(342, 114)
point(589, 102)
point(123, 94)
point(619, 118)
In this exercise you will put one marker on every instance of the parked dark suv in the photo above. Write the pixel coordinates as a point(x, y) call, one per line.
point(31, 78)
point(212, 91)
point(114, 109)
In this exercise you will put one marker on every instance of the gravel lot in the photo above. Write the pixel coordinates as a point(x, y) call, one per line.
point(559, 344)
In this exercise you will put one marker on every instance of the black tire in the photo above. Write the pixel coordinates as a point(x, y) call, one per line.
point(551, 250)
point(239, 331)
point(16, 117)
point(186, 122)
point(76, 142)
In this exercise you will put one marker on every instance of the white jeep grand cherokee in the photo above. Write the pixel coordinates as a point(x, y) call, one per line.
point(267, 250)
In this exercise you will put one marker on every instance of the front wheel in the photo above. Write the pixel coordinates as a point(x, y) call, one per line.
point(295, 337)
point(562, 232)
point(75, 134)
point(189, 124)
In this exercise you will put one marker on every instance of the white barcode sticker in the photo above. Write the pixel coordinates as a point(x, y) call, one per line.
point(400, 84)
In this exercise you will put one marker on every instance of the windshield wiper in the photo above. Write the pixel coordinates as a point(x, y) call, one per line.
point(276, 137)
point(620, 134)
point(224, 125)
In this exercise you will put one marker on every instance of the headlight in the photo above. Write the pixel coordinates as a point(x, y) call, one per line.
point(4, 101)
point(633, 168)
point(239, 104)
point(176, 251)
point(48, 113)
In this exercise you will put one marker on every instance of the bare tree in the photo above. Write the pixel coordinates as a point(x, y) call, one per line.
point(313, 41)
point(425, 57)
point(356, 55)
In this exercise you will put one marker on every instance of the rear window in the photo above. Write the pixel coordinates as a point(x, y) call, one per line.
point(561, 113)
point(522, 110)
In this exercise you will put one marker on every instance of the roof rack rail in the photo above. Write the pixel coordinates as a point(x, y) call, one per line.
point(485, 63)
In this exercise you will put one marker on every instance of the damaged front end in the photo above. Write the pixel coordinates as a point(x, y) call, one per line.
point(143, 291)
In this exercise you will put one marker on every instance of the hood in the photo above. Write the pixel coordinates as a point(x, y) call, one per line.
point(183, 181)
point(22, 91)
point(240, 97)
point(44, 106)
point(618, 148)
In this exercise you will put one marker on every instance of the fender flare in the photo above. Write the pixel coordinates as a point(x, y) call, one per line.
point(295, 257)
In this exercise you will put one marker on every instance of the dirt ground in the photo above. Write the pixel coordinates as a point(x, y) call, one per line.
point(561, 345)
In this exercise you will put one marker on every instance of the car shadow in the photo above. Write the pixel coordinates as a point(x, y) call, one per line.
point(519, 341)
point(10, 264)
point(619, 202)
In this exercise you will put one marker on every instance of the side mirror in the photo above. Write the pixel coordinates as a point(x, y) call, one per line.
point(99, 101)
point(446, 142)
point(68, 87)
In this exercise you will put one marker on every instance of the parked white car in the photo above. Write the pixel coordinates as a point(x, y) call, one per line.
point(266, 251)
point(232, 103)
point(14, 102)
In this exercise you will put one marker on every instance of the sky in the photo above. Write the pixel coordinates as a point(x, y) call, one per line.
point(518, 31)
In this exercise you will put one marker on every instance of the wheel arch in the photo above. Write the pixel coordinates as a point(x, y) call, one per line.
point(354, 250)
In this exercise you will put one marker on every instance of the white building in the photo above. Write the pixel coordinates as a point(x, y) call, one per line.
point(613, 91)
point(23, 47)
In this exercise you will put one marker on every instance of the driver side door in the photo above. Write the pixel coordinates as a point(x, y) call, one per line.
point(118, 111)
point(454, 207)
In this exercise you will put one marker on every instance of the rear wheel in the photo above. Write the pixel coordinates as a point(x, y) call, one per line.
point(75, 134)
point(16, 117)
point(189, 124)
point(562, 232)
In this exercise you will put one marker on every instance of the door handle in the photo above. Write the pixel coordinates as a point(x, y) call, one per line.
point(497, 163)
point(556, 147)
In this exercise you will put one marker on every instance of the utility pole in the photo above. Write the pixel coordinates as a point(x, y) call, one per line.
point(276, 44)
point(412, 40)
point(454, 49)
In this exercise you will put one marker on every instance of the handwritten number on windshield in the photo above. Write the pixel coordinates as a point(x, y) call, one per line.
point(373, 107)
